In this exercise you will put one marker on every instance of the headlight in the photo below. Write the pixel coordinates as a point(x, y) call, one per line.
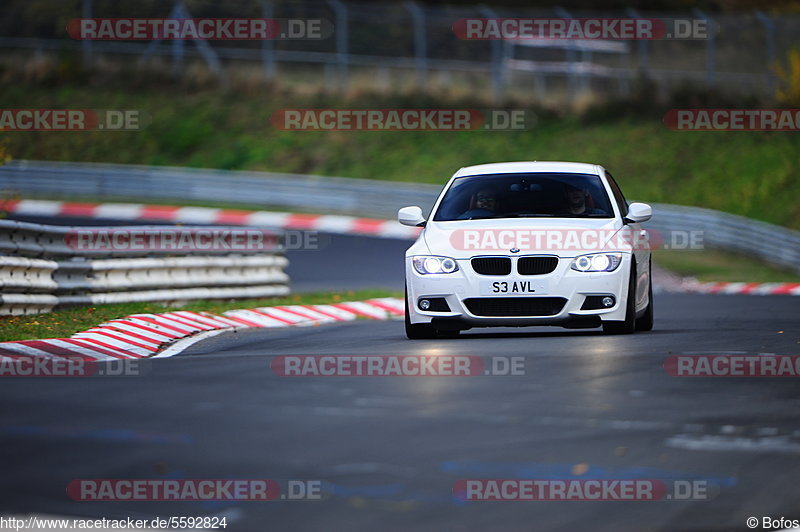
point(426, 264)
point(600, 262)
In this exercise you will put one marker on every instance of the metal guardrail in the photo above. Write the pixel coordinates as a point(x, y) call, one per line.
point(45, 271)
point(772, 243)
point(119, 182)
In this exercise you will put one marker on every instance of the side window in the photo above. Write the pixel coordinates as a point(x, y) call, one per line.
point(618, 197)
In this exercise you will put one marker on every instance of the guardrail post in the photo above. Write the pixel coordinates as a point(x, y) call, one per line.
point(267, 53)
point(342, 54)
point(498, 77)
point(178, 47)
point(86, 44)
point(420, 42)
point(643, 47)
point(711, 52)
point(571, 59)
point(178, 51)
point(769, 25)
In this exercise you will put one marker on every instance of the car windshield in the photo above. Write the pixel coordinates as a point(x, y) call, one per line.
point(551, 195)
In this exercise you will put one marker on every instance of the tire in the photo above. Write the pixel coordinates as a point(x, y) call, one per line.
point(629, 325)
point(418, 331)
point(645, 323)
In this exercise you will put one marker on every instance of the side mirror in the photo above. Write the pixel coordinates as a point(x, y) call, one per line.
point(411, 216)
point(639, 212)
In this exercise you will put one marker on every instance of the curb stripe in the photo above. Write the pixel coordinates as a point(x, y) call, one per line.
point(113, 343)
point(168, 334)
point(253, 318)
point(194, 324)
point(121, 334)
point(232, 217)
point(54, 349)
point(87, 353)
point(386, 307)
point(135, 326)
point(20, 348)
point(308, 313)
point(363, 309)
point(325, 312)
point(269, 313)
point(159, 212)
point(86, 345)
point(333, 223)
point(159, 322)
point(78, 209)
point(346, 315)
point(249, 318)
point(786, 288)
point(214, 319)
point(302, 221)
point(196, 318)
point(116, 330)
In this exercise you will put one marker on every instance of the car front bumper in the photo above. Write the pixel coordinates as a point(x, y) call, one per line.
point(572, 286)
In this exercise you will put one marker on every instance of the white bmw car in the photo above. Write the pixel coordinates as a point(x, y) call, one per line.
point(529, 243)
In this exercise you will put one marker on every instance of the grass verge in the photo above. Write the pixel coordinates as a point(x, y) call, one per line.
point(63, 323)
point(754, 174)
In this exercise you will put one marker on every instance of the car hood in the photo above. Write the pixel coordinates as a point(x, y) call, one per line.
point(564, 237)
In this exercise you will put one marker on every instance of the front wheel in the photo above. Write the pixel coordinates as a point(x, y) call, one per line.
point(645, 323)
point(418, 331)
point(629, 324)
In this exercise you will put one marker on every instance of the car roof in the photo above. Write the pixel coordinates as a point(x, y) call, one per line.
point(530, 166)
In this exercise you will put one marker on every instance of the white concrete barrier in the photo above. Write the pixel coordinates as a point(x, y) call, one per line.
point(40, 270)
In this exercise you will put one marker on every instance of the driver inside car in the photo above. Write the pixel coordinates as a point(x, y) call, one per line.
point(482, 204)
point(578, 201)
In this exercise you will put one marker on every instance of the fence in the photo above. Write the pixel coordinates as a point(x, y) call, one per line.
point(409, 44)
point(774, 244)
point(42, 271)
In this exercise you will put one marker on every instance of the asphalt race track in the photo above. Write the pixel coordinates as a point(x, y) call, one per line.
point(390, 449)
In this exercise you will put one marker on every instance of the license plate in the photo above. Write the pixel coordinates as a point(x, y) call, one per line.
point(513, 287)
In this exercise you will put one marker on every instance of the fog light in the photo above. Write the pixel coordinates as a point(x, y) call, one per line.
point(608, 302)
point(424, 304)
